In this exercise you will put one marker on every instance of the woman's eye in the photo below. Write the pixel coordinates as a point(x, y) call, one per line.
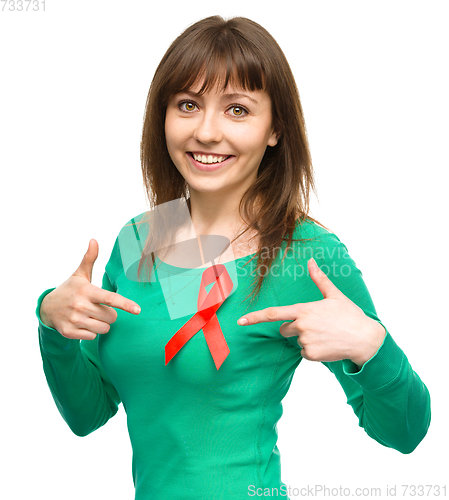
point(187, 106)
point(238, 111)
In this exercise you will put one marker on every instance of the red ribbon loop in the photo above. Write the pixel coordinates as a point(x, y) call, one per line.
point(205, 318)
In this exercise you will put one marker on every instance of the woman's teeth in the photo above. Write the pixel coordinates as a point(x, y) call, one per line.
point(209, 158)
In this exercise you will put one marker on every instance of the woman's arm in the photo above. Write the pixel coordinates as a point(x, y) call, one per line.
point(388, 397)
point(82, 391)
point(333, 320)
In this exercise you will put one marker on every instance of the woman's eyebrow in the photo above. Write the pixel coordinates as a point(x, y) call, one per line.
point(224, 96)
point(238, 96)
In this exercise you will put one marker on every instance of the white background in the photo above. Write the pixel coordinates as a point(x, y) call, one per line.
point(373, 82)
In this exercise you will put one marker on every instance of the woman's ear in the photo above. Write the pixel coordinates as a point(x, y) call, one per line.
point(273, 139)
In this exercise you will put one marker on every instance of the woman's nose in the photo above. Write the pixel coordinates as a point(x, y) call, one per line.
point(208, 128)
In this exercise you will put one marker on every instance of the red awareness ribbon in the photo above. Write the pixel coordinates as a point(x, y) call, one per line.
point(205, 318)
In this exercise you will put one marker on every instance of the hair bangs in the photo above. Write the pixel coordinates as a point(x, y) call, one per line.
point(217, 61)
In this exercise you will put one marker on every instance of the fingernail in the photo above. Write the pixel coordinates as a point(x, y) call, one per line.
point(242, 321)
point(314, 264)
point(136, 310)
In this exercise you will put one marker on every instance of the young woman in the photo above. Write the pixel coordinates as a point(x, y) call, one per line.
point(225, 157)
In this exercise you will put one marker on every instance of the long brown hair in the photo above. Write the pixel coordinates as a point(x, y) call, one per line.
point(241, 52)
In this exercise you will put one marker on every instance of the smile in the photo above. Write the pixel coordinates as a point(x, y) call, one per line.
point(209, 162)
point(209, 158)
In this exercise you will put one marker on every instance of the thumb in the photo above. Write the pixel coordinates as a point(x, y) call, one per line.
point(325, 285)
point(85, 268)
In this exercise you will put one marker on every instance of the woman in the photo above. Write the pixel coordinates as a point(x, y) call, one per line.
point(225, 157)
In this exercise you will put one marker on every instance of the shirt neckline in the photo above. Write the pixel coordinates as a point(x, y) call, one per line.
point(160, 264)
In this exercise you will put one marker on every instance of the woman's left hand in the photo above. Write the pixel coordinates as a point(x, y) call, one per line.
point(330, 329)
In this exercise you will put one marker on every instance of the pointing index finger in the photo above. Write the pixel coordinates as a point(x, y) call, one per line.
point(281, 313)
point(116, 300)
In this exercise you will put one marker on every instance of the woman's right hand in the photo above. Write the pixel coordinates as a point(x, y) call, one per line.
point(76, 309)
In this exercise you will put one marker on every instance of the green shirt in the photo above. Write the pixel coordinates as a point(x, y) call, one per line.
point(198, 432)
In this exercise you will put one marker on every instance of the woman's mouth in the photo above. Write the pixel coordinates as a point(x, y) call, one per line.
point(208, 162)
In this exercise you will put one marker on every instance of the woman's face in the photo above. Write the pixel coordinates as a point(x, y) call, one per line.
point(217, 140)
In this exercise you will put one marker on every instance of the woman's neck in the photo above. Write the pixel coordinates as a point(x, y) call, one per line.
point(214, 216)
point(223, 220)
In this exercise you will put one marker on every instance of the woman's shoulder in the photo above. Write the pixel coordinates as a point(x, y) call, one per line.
point(137, 225)
point(139, 219)
point(310, 228)
point(131, 235)
point(319, 240)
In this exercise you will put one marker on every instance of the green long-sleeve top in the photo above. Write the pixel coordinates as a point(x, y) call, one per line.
point(198, 432)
